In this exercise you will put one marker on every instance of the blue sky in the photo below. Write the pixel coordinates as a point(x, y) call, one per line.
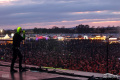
point(48, 13)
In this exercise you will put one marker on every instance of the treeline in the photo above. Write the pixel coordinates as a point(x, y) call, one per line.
point(79, 29)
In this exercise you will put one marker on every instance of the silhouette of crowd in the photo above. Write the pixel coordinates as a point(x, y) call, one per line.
point(82, 55)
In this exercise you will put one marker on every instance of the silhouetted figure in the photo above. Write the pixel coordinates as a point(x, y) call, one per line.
point(14, 78)
point(17, 38)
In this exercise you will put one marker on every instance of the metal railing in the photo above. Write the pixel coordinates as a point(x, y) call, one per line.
point(82, 55)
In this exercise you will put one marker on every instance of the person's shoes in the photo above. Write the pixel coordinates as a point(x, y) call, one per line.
point(13, 70)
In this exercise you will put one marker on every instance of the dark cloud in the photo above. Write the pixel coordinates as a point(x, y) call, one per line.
point(37, 11)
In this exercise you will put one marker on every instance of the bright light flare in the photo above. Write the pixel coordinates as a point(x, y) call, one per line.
point(12, 34)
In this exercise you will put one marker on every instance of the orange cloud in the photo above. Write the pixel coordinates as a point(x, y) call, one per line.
point(105, 23)
point(115, 12)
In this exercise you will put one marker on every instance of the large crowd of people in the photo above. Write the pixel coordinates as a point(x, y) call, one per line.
point(82, 55)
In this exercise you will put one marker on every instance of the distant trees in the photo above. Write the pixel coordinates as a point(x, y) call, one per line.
point(35, 30)
point(54, 29)
point(78, 29)
point(82, 29)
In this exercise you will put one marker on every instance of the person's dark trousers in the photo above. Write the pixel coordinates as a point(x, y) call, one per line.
point(16, 52)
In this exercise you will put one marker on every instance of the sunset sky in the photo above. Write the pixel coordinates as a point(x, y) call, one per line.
point(48, 13)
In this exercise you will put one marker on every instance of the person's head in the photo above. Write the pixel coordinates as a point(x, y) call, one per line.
point(19, 30)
